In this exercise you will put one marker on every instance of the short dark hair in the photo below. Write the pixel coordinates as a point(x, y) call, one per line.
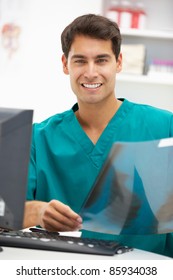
point(95, 26)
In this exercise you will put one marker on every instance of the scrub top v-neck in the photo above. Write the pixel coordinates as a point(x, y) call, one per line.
point(97, 152)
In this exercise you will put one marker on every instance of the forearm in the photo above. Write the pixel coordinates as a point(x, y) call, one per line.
point(32, 213)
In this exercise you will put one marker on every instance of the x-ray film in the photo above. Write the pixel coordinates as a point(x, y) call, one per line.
point(134, 192)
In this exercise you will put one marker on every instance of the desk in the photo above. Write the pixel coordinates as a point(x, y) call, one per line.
point(10, 253)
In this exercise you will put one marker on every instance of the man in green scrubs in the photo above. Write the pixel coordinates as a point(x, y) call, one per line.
point(69, 149)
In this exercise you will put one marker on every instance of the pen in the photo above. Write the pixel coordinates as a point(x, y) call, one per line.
point(35, 229)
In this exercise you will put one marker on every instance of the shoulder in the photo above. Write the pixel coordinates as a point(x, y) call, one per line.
point(53, 121)
point(150, 112)
point(153, 110)
point(158, 122)
point(158, 118)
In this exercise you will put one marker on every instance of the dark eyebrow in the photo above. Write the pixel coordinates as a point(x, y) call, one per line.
point(98, 56)
point(78, 56)
point(103, 55)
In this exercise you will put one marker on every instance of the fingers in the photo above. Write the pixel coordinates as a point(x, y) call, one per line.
point(57, 216)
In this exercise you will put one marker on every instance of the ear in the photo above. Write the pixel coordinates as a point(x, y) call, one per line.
point(64, 63)
point(119, 63)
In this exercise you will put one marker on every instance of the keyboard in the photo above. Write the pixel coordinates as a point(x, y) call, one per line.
point(52, 241)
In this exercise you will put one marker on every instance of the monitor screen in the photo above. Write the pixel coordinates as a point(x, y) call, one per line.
point(15, 140)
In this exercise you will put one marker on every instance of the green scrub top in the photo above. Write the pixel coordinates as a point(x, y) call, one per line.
point(64, 162)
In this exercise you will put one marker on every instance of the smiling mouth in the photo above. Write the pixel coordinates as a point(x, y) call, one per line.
point(92, 86)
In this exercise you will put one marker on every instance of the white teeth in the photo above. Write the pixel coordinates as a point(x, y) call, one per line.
point(91, 85)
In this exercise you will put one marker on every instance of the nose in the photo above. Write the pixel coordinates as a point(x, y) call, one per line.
point(90, 71)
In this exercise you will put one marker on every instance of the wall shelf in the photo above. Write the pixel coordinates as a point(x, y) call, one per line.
point(157, 37)
point(144, 79)
point(158, 34)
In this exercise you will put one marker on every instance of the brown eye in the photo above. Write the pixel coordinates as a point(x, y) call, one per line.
point(101, 60)
point(80, 61)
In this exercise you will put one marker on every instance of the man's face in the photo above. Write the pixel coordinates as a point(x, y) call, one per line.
point(92, 67)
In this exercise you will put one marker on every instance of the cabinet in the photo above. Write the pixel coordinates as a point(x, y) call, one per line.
point(157, 36)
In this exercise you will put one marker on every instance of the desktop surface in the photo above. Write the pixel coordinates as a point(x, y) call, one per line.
point(10, 253)
point(16, 253)
point(13, 253)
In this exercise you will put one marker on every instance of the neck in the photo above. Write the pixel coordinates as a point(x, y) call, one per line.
point(97, 115)
point(94, 117)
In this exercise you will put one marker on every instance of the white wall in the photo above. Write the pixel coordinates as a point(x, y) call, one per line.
point(33, 78)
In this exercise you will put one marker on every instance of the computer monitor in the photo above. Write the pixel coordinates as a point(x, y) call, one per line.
point(15, 140)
